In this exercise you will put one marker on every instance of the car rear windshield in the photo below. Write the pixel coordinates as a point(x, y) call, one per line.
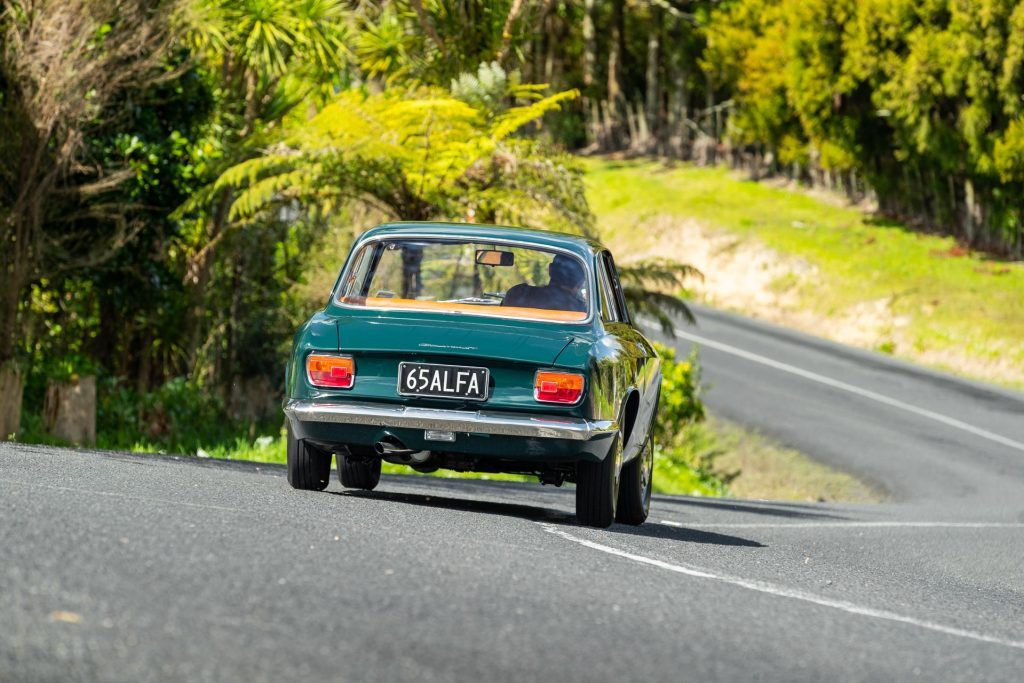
point(468, 277)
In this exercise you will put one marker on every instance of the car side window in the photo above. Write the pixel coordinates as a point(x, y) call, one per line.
point(609, 309)
point(619, 298)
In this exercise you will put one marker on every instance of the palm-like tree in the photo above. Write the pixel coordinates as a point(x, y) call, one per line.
point(644, 284)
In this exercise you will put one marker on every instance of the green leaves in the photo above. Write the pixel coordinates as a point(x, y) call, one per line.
point(643, 285)
point(921, 98)
point(418, 153)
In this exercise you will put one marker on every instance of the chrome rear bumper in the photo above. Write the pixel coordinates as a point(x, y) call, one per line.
point(473, 422)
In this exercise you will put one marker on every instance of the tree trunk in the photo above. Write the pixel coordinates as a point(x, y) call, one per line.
point(1018, 254)
point(11, 291)
point(549, 56)
point(69, 410)
point(971, 211)
point(253, 399)
point(634, 120)
point(616, 48)
point(678, 134)
point(589, 43)
point(652, 101)
point(616, 51)
point(710, 119)
point(11, 387)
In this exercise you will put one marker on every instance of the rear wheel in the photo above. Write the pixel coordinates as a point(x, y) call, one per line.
point(360, 469)
point(597, 488)
point(309, 467)
point(635, 490)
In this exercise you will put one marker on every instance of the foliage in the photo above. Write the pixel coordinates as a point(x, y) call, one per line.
point(178, 417)
point(433, 42)
point(939, 303)
point(685, 454)
point(64, 71)
point(643, 285)
point(680, 403)
point(417, 155)
point(178, 176)
point(923, 100)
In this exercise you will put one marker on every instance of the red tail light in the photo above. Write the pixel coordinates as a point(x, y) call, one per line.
point(557, 387)
point(334, 372)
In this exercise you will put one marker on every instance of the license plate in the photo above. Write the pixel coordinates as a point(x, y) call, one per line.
point(443, 381)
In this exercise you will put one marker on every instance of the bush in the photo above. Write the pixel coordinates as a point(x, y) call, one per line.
point(685, 450)
point(680, 403)
point(179, 417)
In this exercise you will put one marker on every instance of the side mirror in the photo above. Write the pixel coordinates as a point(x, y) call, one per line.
point(493, 257)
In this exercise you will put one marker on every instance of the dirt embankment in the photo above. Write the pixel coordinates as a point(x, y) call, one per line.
point(744, 275)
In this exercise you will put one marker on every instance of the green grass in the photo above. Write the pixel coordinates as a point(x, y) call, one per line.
point(955, 303)
point(672, 473)
point(708, 454)
point(766, 470)
point(705, 462)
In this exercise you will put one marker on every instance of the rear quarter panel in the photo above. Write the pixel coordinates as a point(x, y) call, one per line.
point(620, 361)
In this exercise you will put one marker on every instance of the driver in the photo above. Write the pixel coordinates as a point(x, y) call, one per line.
point(562, 293)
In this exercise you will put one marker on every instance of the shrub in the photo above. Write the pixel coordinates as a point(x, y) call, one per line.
point(681, 402)
point(685, 450)
point(178, 417)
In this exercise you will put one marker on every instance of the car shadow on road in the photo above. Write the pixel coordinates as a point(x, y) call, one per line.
point(549, 516)
point(770, 508)
point(683, 535)
point(530, 512)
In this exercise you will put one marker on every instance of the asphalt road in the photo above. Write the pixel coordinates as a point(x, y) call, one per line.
point(117, 567)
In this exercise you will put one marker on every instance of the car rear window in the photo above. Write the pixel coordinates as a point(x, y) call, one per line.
point(468, 277)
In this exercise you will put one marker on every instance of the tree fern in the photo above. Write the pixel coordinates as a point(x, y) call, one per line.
point(643, 285)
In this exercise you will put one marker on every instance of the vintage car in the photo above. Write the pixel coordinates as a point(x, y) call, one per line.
point(477, 348)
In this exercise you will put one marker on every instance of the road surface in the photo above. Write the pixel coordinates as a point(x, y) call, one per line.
point(117, 567)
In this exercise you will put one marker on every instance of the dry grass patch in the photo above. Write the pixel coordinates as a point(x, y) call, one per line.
point(770, 471)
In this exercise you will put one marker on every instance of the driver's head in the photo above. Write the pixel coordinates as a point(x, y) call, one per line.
point(566, 271)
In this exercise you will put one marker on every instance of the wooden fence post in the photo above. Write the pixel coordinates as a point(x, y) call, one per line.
point(69, 410)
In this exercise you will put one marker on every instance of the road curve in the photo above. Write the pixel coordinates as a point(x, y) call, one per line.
point(117, 567)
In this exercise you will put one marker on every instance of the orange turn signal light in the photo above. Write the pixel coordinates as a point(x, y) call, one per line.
point(333, 372)
point(557, 387)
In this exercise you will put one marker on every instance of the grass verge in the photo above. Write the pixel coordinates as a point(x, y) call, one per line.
point(714, 458)
point(674, 473)
point(770, 471)
point(935, 302)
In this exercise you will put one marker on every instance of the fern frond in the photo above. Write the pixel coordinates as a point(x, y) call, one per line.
point(515, 118)
point(262, 193)
point(658, 305)
point(251, 170)
point(658, 272)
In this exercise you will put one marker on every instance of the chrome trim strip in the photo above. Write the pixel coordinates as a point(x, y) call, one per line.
point(474, 422)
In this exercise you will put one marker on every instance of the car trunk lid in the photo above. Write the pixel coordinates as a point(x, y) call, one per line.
point(400, 336)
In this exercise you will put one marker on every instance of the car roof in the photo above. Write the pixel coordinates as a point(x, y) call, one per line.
point(540, 238)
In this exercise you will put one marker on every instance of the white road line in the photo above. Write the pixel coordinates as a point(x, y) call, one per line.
point(865, 393)
point(850, 525)
point(783, 592)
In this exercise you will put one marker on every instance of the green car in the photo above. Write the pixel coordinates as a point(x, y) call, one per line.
point(477, 349)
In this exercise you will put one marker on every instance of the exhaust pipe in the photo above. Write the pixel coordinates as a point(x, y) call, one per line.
point(392, 449)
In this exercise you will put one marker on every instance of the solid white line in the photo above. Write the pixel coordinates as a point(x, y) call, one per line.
point(851, 525)
point(781, 591)
point(865, 393)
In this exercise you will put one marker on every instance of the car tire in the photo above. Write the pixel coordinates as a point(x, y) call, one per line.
point(360, 469)
point(597, 489)
point(635, 487)
point(309, 467)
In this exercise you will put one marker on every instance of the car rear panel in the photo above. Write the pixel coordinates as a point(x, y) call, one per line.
point(511, 352)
